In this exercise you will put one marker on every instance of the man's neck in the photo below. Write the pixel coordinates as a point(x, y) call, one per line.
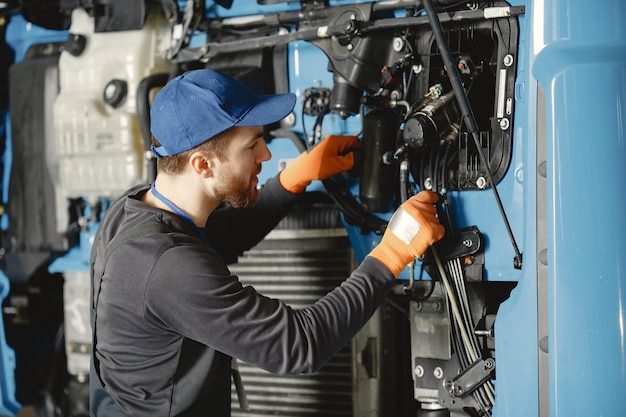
point(184, 194)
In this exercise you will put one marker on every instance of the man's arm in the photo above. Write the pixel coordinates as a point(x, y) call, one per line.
point(231, 231)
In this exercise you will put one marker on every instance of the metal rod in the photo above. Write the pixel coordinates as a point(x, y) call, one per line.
point(468, 115)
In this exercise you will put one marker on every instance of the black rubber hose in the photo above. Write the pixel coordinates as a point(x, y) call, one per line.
point(352, 210)
point(143, 114)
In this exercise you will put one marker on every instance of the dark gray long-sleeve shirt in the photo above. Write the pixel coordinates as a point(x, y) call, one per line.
point(170, 315)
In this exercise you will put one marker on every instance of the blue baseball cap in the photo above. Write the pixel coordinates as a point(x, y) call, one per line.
point(200, 104)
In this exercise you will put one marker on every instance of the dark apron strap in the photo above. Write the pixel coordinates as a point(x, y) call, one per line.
point(100, 402)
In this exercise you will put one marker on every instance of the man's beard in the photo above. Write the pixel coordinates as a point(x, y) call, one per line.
point(237, 193)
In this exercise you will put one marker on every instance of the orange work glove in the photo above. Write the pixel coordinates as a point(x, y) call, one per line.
point(327, 158)
point(411, 230)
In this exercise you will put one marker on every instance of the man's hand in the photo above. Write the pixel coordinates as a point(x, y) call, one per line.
point(327, 158)
point(413, 228)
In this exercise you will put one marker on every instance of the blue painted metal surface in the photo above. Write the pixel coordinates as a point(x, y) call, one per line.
point(583, 71)
point(9, 406)
point(77, 257)
point(22, 34)
point(516, 325)
point(7, 161)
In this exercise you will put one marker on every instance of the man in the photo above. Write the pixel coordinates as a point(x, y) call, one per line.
point(167, 314)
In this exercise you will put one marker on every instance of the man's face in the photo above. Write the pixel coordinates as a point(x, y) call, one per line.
point(237, 176)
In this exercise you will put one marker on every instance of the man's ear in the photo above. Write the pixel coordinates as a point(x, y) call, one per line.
point(202, 163)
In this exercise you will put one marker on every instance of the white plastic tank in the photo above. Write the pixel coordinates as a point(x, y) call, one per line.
point(100, 149)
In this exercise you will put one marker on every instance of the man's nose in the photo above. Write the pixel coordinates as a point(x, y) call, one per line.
point(264, 152)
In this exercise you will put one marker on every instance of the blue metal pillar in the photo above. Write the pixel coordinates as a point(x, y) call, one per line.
point(582, 69)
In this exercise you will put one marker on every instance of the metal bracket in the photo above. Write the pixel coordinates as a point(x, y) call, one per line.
point(470, 378)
